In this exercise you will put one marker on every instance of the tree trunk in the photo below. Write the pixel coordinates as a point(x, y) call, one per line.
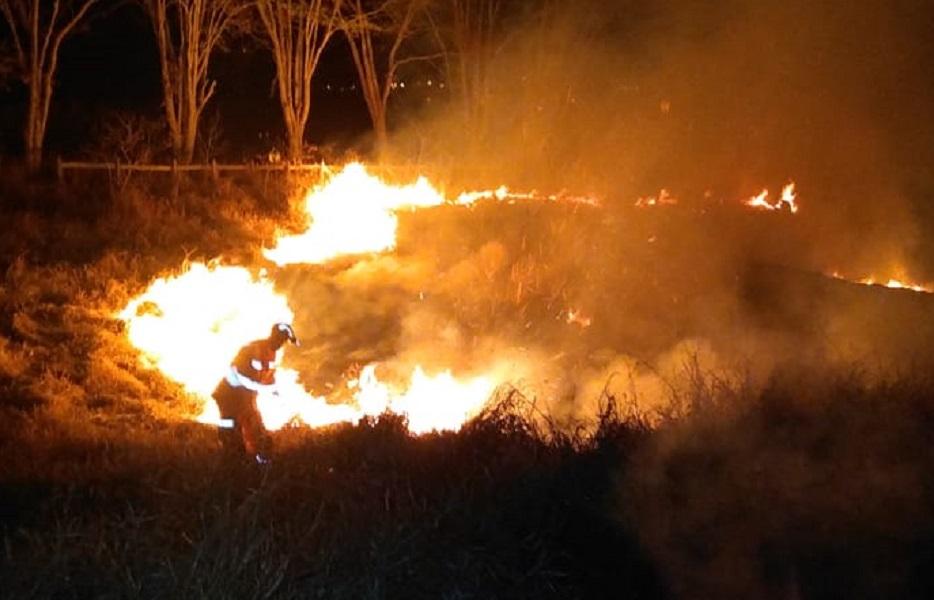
point(177, 142)
point(380, 132)
point(296, 143)
point(32, 138)
point(36, 36)
point(185, 39)
point(40, 95)
point(297, 38)
point(188, 148)
point(294, 132)
point(366, 59)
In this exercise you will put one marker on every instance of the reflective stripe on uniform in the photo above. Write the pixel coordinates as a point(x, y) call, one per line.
point(237, 379)
point(233, 378)
point(226, 423)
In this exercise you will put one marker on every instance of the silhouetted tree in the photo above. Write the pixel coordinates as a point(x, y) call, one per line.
point(8, 65)
point(37, 30)
point(187, 33)
point(469, 32)
point(297, 32)
point(376, 31)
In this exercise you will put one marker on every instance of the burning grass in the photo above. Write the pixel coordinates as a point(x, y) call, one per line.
point(811, 485)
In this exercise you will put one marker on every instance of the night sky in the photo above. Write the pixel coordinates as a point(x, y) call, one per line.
point(730, 67)
point(112, 65)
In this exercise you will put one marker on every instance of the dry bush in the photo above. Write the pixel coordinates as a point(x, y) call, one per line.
point(129, 138)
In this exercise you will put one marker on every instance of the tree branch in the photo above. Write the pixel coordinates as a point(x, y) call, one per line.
point(14, 29)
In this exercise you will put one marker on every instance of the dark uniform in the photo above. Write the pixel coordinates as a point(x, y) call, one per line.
point(252, 370)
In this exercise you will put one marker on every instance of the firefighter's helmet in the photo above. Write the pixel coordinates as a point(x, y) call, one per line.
point(282, 332)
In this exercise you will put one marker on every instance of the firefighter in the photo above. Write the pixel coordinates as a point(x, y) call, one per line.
point(253, 370)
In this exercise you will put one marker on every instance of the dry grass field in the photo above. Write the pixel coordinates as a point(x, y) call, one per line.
point(816, 485)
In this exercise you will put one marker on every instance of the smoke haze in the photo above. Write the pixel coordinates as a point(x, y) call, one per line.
point(710, 102)
point(624, 98)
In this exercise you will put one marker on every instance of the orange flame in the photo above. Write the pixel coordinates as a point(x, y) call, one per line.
point(788, 199)
point(578, 318)
point(191, 325)
point(891, 282)
point(896, 284)
point(664, 198)
point(355, 213)
point(352, 213)
point(503, 193)
point(438, 402)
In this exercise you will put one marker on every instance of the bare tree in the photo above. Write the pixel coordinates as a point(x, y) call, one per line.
point(468, 31)
point(187, 33)
point(37, 29)
point(368, 25)
point(297, 32)
point(8, 65)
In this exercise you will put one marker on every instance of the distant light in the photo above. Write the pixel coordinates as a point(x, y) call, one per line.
point(402, 84)
point(429, 83)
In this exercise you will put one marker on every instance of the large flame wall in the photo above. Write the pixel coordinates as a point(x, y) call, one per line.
point(434, 311)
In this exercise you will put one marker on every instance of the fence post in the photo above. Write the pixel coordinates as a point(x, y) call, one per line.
point(59, 169)
point(175, 179)
point(214, 172)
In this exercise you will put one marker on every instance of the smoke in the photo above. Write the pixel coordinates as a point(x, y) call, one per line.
point(575, 305)
point(712, 102)
point(622, 99)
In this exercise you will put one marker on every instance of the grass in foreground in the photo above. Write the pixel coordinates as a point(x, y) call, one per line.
point(362, 511)
point(797, 494)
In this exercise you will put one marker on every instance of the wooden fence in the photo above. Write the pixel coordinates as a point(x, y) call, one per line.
point(215, 168)
point(453, 176)
point(122, 170)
